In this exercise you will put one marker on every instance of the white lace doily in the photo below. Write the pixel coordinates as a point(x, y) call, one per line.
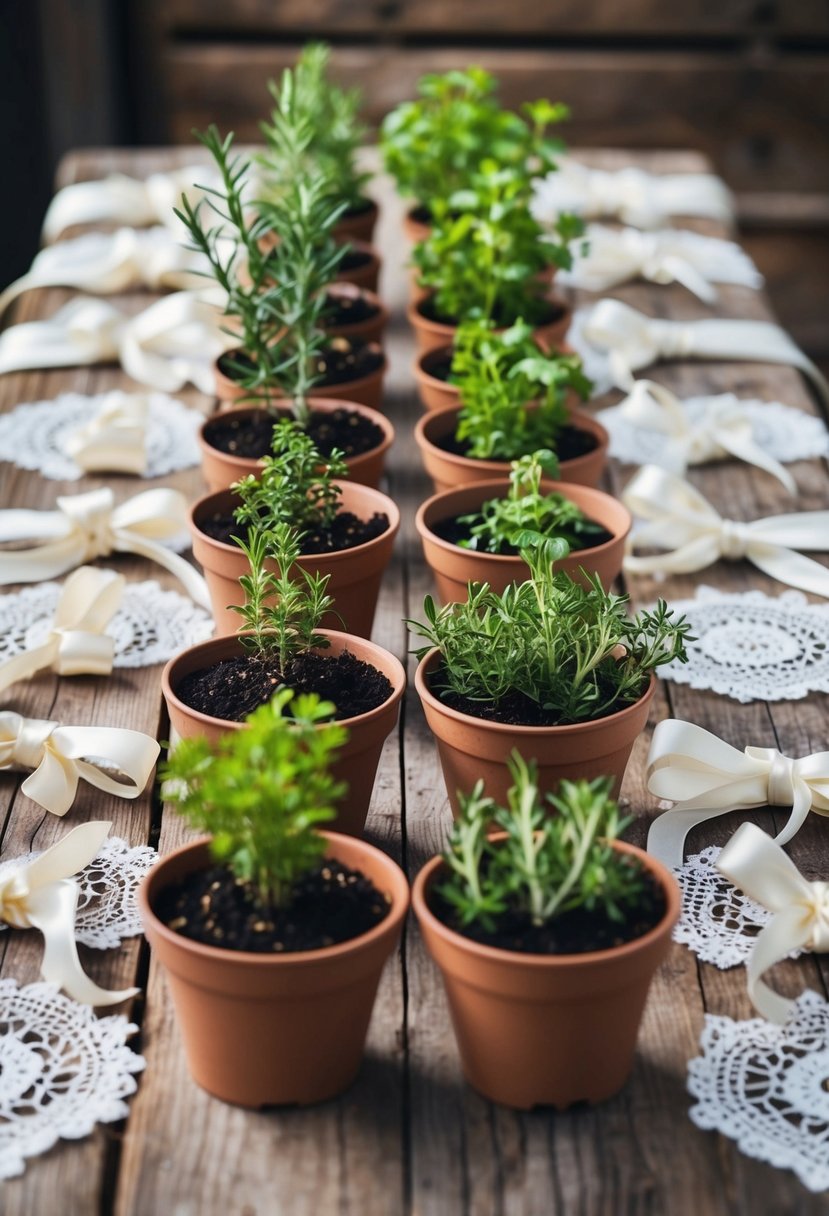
point(62, 1070)
point(785, 433)
point(31, 436)
point(767, 1088)
point(150, 626)
point(752, 646)
point(107, 909)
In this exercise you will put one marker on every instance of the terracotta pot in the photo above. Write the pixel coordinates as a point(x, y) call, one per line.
point(372, 328)
point(454, 567)
point(549, 1030)
point(265, 1029)
point(367, 273)
point(438, 394)
point(363, 390)
point(429, 335)
point(358, 759)
point(222, 469)
point(355, 574)
point(415, 226)
point(448, 470)
point(358, 225)
point(470, 748)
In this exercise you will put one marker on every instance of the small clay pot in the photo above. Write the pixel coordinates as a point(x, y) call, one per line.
point(449, 470)
point(546, 1030)
point(438, 394)
point(358, 758)
point(362, 390)
point(262, 1029)
point(359, 224)
point(470, 747)
point(429, 334)
point(367, 273)
point(222, 469)
point(415, 225)
point(355, 574)
point(372, 328)
point(453, 567)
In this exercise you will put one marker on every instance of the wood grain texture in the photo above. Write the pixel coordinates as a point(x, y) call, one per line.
point(410, 1139)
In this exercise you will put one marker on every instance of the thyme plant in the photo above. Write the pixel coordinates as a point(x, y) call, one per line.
point(262, 792)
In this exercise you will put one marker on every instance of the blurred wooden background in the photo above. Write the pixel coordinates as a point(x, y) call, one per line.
point(745, 81)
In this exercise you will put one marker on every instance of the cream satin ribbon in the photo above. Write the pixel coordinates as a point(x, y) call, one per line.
point(760, 868)
point(115, 440)
point(77, 642)
point(119, 199)
point(706, 777)
point(681, 521)
point(630, 341)
point(634, 196)
point(616, 256)
point(56, 754)
point(721, 431)
point(104, 263)
point(41, 894)
point(172, 343)
point(88, 526)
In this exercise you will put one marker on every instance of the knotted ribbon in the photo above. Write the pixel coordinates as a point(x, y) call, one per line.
point(760, 868)
point(104, 263)
point(679, 519)
point(88, 526)
point(115, 439)
point(76, 643)
point(706, 777)
point(171, 343)
point(722, 430)
point(616, 256)
point(634, 196)
point(61, 756)
point(41, 894)
point(615, 340)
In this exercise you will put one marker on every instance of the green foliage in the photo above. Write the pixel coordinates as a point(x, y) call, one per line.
point(497, 376)
point(572, 650)
point(549, 864)
point(261, 792)
point(525, 512)
point(434, 146)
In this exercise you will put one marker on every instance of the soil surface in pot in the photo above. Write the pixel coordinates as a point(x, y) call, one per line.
point(577, 931)
point(347, 310)
point(539, 311)
point(251, 437)
point(458, 528)
point(568, 444)
point(233, 688)
point(438, 367)
point(346, 532)
point(343, 360)
point(331, 904)
point(355, 259)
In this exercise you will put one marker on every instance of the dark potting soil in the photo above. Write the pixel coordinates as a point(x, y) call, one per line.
point(453, 530)
point(343, 360)
point(541, 310)
point(421, 214)
point(347, 310)
point(355, 259)
point(570, 443)
point(331, 904)
point(233, 688)
point(251, 435)
point(439, 366)
point(346, 532)
point(359, 208)
point(514, 709)
point(575, 932)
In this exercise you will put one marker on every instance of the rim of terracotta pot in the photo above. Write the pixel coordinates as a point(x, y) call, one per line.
point(502, 728)
point(357, 217)
point(418, 320)
point(349, 641)
point(426, 876)
point(401, 896)
point(489, 490)
point(381, 315)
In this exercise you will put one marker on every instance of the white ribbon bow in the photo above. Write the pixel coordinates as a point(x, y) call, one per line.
point(56, 754)
point(723, 429)
point(758, 866)
point(115, 439)
point(104, 263)
point(680, 520)
point(634, 196)
point(41, 894)
point(173, 342)
point(76, 643)
point(616, 255)
point(615, 340)
point(119, 199)
point(88, 526)
point(706, 777)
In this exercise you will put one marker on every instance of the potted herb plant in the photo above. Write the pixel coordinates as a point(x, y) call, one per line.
point(550, 667)
point(547, 935)
point(513, 399)
point(346, 530)
point(271, 923)
point(471, 534)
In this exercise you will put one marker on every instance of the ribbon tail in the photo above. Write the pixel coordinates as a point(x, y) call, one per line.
point(188, 576)
point(28, 663)
point(666, 836)
point(69, 855)
point(42, 562)
point(791, 568)
point(54, 782)
point(800, 809)
point(752, 454)
point(691, 279)
point(786, 931)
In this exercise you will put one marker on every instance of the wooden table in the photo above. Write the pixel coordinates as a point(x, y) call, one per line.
point(410, 1137)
